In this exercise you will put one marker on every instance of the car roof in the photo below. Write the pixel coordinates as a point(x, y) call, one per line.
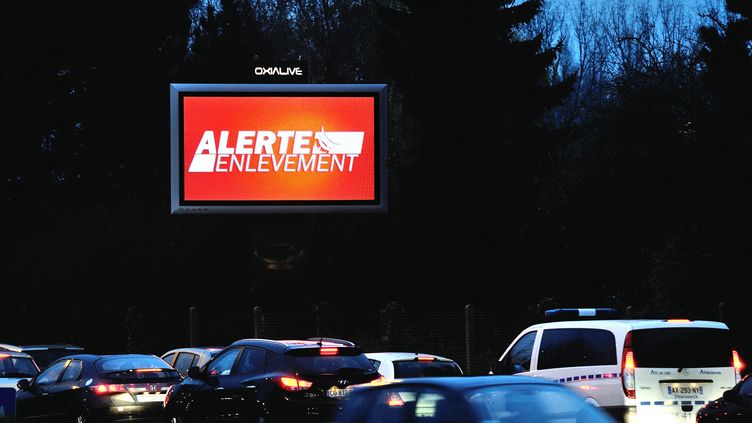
point(195, 350)
point(392, 356)
point(39, 347)
point(287, 344)
point(629, 324)
point(16, 354)
point(460, 383)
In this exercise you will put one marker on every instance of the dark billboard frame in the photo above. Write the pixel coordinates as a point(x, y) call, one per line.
point(178, 204)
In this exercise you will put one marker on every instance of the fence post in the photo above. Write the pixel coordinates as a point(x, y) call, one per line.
point(193, 326)
point(257, 319)
point(721, 311)
point(468, 337)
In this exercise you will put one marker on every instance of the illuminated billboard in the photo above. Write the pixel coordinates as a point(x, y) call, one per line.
point(278, 148)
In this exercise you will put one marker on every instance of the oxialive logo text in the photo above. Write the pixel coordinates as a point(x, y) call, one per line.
point(280, 151)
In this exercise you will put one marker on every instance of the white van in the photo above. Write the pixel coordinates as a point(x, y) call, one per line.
point(637, 370)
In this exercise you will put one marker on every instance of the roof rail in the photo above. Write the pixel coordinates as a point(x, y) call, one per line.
point(333, 340)
point(580, 313)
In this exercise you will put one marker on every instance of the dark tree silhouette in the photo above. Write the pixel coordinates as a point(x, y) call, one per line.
point(472, 94)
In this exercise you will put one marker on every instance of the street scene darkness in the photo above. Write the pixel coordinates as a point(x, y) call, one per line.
point(538, 155)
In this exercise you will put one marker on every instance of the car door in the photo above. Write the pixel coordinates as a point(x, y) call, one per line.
point(65, 395)
point(36, 404)
point(238, 398)
point(208, 403)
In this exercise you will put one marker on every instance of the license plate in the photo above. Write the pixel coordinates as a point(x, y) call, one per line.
point(335, 392)
point(150, 397)
point(684, 390)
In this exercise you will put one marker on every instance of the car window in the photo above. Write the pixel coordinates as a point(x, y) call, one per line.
point(521, 353)
point(222, 365)
point(404, 404)
point(700, 347)
point(375, 363)
point(73, 371)
point(11, 366)
point(51, 374)
point(746, 388)
point(415, 368)
point(195, 361)
point(523, 403)
point(184, 362)
point(251, 361)
point(168, 358)
point(576, 347)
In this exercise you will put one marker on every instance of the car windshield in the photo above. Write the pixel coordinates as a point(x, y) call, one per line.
point(682, 347)
point(415, 368)
point(17, 367)
point(135, 368)
point(519, 403)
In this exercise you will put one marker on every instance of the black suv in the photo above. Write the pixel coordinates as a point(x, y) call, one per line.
point(264, 380)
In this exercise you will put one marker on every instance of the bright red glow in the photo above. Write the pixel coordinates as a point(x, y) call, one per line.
point(628, 367)
point(108, 389)
point(629, 363)
point(738, 363)
point(425, 358)
point(293, 384)
point(4, 355)
point(395, 401)
point(148, 370)
point(678, 320)
point(329, 351)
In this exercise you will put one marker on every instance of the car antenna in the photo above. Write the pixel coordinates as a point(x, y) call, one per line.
point(321, 341)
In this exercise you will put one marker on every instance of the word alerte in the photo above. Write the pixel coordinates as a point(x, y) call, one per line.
point(280, 151)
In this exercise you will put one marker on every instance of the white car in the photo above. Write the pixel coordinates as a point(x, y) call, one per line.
point(182, 359)
point(15, 366)
point(398, 365)
point(639, 370)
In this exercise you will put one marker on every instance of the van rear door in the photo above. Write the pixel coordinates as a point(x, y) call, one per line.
point(679, 369)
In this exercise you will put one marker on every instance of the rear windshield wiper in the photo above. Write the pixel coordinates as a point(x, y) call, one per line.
point(350, 370)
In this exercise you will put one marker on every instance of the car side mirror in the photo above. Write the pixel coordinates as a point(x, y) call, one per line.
point(194, 372)
point(730, 395)
point(23, 384)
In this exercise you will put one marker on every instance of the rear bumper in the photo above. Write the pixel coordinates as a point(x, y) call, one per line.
point(151, 412)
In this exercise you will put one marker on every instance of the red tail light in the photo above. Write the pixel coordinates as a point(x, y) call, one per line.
point(738, 365)
point(628, 367)
point(4, 355)
point(147, 370)
point(329, 351)
point(293, 384)
point(425, 358)
point(109, 389)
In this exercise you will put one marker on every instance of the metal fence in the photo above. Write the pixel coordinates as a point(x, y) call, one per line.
point(474, 336)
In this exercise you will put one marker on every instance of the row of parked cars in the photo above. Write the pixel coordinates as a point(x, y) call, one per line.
point(584, 365)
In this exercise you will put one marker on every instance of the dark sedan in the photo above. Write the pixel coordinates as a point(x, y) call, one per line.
point(100, 388)
point(469, 399)
point(734, 407)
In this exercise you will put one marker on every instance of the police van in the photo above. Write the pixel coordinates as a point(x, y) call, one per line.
point(637, 370)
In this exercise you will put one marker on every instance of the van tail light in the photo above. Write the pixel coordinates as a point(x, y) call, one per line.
point(107, 389)
point(292, 384)
point(628, 367)
point(738, 365)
